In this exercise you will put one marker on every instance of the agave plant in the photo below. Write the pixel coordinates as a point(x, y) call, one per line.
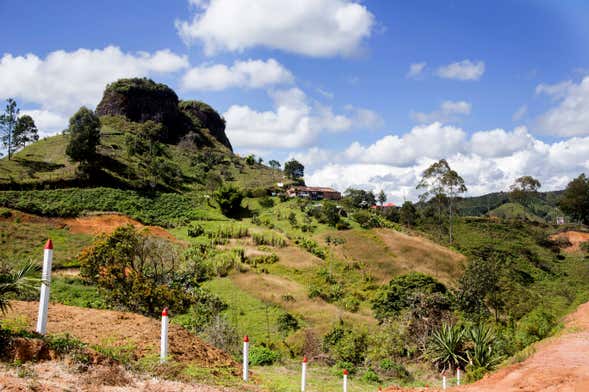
point(483, 355)
point(17, 282)
point(447, 347)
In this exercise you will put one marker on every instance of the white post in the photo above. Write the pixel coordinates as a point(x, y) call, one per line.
point(345, 380)
point(444, 383)
point(164, 336)
point(45, 284)
point(458, 376)
point(304, 374)
point(246, 350)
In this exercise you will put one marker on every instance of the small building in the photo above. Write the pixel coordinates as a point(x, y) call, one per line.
point(314, 193)
point(560, 220)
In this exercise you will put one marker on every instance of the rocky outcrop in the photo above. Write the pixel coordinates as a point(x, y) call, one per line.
point(141, 100)
point(205, 117)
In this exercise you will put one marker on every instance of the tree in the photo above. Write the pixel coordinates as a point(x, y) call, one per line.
point(408, 214)
point(84, 131)
point(274, 164)
point(229, 199)
point(575, 199)
point(359, 198)
point(382, 197)
point(8, 122)
point(294, 170)
point(523, 188)
point(331, 213)
point(442, 183)
point(250, 159)
point(25, 131)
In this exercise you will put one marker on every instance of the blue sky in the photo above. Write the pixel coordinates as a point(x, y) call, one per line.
point(500, 88)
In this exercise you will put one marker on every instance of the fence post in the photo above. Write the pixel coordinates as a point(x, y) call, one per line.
point(304, 374)
point(164, 336)
point(45, 288)
point(246, 347)
point(444, 383)
point(346, 380)
point(458, 376)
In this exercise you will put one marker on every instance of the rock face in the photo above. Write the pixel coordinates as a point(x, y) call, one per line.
point(204, 116)
point(141, 99)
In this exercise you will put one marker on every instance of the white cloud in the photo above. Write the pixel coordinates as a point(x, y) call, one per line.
point(294, 121)
point(415, 70)
point(318, 28)
point(463, 70)
point(365, 118)
point(571, 116)
point(489, 161)
point(449, 111)
point(64, 81)
point(312, 157)
point(48, 123)
point(248, 74)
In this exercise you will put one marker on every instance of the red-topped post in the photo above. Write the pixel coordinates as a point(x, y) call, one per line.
point(45, 288)
point(164, 336)
point(346, 380)
point(246, 349)
point(304, 374)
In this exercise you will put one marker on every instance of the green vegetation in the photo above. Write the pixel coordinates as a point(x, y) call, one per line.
point(14, 283)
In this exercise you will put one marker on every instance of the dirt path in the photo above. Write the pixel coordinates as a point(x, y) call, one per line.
point(559, 364)
point(137, 334)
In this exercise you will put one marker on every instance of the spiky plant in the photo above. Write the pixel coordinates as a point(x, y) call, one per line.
point(483, 355)
point(447, 347)
point(17, 282)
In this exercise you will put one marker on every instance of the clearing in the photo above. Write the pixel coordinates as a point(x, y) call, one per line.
point(576, 238)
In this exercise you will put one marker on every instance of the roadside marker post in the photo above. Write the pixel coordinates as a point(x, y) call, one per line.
point(458, 376)
point(346, 380)
point(45, 288)
point(444, 383)
point(246, 349)
point(164, 336)
point(304, 374)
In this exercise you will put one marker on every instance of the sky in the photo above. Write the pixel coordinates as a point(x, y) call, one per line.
point(366, 94)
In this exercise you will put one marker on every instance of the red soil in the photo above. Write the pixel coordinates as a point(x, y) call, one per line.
point(576, 238)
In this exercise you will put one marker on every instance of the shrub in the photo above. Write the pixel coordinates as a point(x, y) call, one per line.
point(311, 247)
point(262, 259)
point(269, 239)
point(195, 230)
point(447, 347)
point(534, 326)
point(261, 356)
point(346, 344)
point(229, 199)
point(366, 219)
point(287, 323)
point(266, 202)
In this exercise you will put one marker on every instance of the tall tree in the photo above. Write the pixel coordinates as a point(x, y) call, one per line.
point(441, 183)
point(382, 197)
point(408, 214)
point(84, 131)
point(359, 198)
point(274, 164)
point(8, 122)
point(523, 189)
point(575, 199)
point(294, 170)
point(25, 131)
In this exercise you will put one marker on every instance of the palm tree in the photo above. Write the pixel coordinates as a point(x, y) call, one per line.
point(447, 347)
point(17, 282)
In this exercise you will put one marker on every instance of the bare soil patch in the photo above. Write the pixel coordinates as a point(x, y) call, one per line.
point(576, 238)
point(141, 335)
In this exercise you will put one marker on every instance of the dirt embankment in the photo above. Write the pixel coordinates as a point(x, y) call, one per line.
point(575, 238)
point(92, 224)
point(559, 364)
point(138, 334)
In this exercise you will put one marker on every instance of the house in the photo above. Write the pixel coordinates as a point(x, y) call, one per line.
point(314, 193)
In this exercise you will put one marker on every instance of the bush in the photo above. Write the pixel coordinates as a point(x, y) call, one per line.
point(534, 326)
point(287, 323)
point(229, 199)
point(311, 247)
point(346, 344)
point(269, 239)
point(262, 259)
point(261, 356)
point(366, 219)
point(266, 202)
point(195, 230)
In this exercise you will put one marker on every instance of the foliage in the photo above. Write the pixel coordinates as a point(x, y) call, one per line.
point(366, 219)
point(8, 122)
point(408, 214)
point(274, 164)
point(269, 239)
point(250, 159)
point(25, 131)
point(287, 323)
point(483, 353)
point(137, 271)
point(311, 246)
point(575, 199)
point(447, 349)
point(535, 326)
point(14, 283)
point(330, 213)
point(382, 197)
point(263, 356)
point(294, 170)
point(195, 230)
point(229, 199)
point(345, 344)
point(262, 259)
point(402, 291)
point(523, 188)
point(359, 198)
point(84, 131)
point(267, 202)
